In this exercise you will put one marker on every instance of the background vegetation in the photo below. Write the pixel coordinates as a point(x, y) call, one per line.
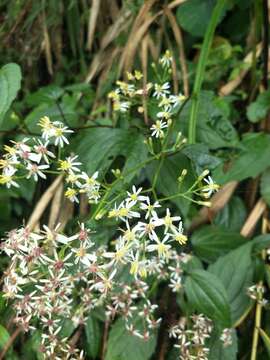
point(70, 54)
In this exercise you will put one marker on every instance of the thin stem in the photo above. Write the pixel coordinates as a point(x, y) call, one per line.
point(201, 69)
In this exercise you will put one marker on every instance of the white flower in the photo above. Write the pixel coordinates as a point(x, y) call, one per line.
point(124, 211)
point(121, 106)
point(42, 151)
point(168, 220)
point(69, 164)
point(177, 99)
point(148, 228)
point(157, 129)
point(150, 208)
point(134, 197)
point(35, 171)
point(82, 256)
point(161, 247)
point(164, 115)
point(161, 90)
point(59, 134)
point(165, 103)
point(166, 59)
point(106, 283)
point(210, 188)
point(177, 234)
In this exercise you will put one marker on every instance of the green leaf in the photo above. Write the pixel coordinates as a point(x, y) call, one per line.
point(260, 243)
point(4, 336)
point(258, 110)
point(220, 352)
point(98, 148)
point(210, 242)
point(194, 15)
point(200, 156)
point(122, 345)
point(265, 186)
point(10, 84)
point(46, 94)
point(93, 336)
point(214, 129)
point(235, 271)
point(266, 340)
point(232, 216)
point(207, 294)
point(53, 112)
point(252, 159)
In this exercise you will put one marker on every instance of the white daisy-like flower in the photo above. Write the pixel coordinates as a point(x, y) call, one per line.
point(69, 164)
point(42, 151)
point(166, 59)
point(210, 188)
point(134, 196)
point(35, 171)
point(149, 208)
point(161, 90)
point(59, 133)
point(161, 247)
point(157, 129)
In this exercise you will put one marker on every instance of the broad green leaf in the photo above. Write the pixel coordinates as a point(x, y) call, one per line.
point(122, 345)
point(266, 340)
point(201, 158)
point(10, 84)
point(46, 94)
point(265, 186)
point(252, 159)
point(220, 352)
point(258, 109)
point(4, 336)
point(53, 112)
point(207, 294)
point(194, 16)
point(260, 243)
point(214, 128)
point(210, 242)
point(99, 147)
point(93, 336)
point(235, 271)
point(167, 183)
point(232, 216)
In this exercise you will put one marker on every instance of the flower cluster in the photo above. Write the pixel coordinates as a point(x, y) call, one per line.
point(52, 276)
point(226, 337)
point(256, 292)
point(32, 158)
point(191, 335)
point(151, 235)
point(130, 93)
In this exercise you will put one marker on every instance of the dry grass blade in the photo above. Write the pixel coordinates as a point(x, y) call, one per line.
point(47, 45)
point(140, 26)
point(253, 218)
point(132, 45)
point(56, 206)
point(92, 23)
point(179, 40)
point(43, 203)
point(175, 3)
point(66, 213)
point(219, 200)
point(144, 56)
point(231, 85)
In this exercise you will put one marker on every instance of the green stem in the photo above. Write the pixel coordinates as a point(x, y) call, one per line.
point(207, 42)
